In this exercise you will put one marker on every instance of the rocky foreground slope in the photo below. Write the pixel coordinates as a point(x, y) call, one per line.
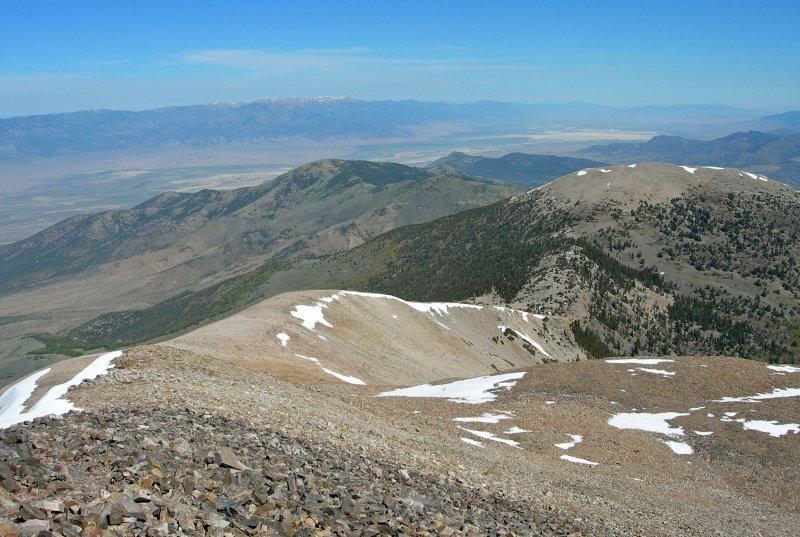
point(654, 446)
point(163, 472)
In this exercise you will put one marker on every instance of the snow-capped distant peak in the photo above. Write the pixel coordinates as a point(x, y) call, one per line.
point(284, 100)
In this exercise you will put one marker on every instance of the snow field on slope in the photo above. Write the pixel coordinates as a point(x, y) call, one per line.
point(578, 460)
point(777, 393)
point(486, 418)
point(643, 421)
point(345, 378)
point(784, 368)
point(471, 391)
point(639, 361)
point(576, 439)
point(661, 372)
point(312, 315)
point(526, 338)
point(679, 448)
point(491, 436)
point(53, 402)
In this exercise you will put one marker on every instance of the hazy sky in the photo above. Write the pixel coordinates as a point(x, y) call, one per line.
point(71, 55)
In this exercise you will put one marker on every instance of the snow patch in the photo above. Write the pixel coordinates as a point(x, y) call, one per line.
point(53, 402)
point(577, 460)
point(777, 393)
point(472, 391)
point(345, 378)
point(582, 172)
point(526, 338)
point(310, 316)
point(784, 368)
point(773, 428)
point(516, 430)
point(640, 361)
point(471, 442)
point(643, 421)
point(703, 433)
point(511, 310)
point(713, 168)
point(661, 372)
point(486, 418)
point(440, 308)
point(284, 338)
point(491, 436)
point(603, 170)
point(631, 165)
point(12, 402)
point(681, 448)
point(576, 439)
point(690, 170)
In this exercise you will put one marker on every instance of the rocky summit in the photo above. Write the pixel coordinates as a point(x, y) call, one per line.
point(158, 472)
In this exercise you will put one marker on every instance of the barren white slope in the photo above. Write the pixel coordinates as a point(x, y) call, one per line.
point(379, 339)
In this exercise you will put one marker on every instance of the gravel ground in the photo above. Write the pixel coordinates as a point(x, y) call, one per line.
point(668, 497)
point(165, 472)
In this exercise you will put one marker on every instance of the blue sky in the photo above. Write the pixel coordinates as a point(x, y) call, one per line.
point(62, 56)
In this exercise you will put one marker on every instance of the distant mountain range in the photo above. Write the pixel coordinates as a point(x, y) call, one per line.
point(211, 125)
point(518, 168)
point(265, 120)
point(785, 122)
point(777, 155)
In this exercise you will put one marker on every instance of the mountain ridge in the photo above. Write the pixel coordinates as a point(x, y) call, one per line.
point(87, 240)
point(647, 258)
point(771, 153)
